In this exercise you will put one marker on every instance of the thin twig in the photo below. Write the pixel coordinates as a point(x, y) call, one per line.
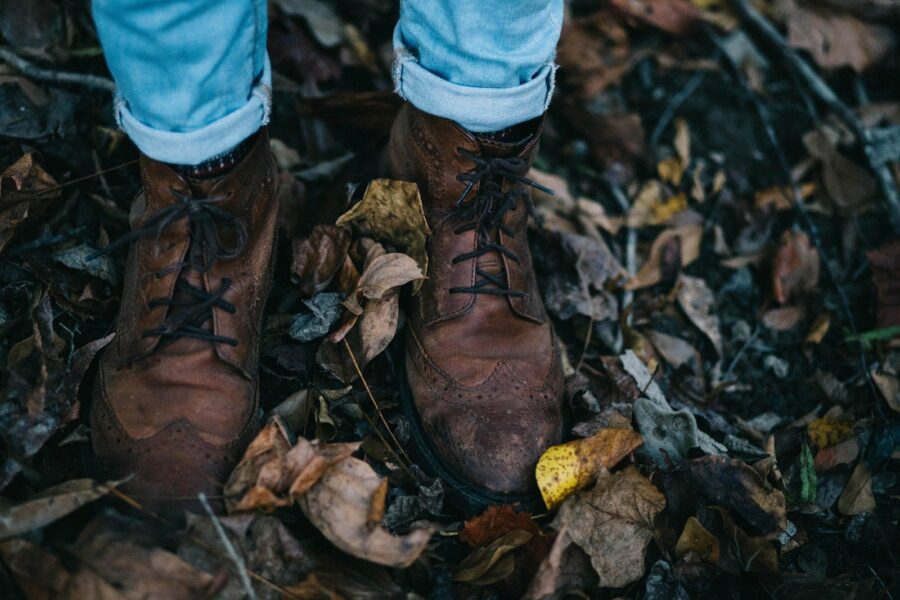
point(229, 547)
point(374, 402)
point(33, 71)
point(630, 244)
point(677, 100)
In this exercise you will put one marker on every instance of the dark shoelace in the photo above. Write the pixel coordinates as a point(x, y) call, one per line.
point(206, 248)
point(484, 214)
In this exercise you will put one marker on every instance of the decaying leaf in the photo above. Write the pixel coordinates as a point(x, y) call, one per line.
point(319, 257)
point(795, 268)
point(491, 563)
point(857, 496)
point(673, 349)
point(391, 211)
point(848, 185)
point(678, 17)
point(885, 264)
point(566, 468)
point(374, 313)
point(695, 538)
point(673, 249)
point(837, 39)
point(347, 504)
point(613, 523)
point(736, 486)
point(49, 505)
point(696, 299)
point(829, 431)
point(567, 567)
point(341, 495)
point(273, 474)
point(494, 522)
point(25, 190)
point(324, 311)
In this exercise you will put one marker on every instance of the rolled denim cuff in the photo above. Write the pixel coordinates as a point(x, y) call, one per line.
point(475, 108)
point(198, 145)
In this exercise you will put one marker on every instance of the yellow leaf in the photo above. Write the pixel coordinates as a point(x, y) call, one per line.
point(695, 538)
point(569, 467)
point(671, 170)
point(829, 431)
point(671, 207)
point(818, 330)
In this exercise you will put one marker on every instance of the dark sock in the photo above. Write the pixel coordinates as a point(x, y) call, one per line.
point(217, 165)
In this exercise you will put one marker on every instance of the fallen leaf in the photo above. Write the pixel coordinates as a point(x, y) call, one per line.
point(837, 39)
point(857, 496)
point(782, 319)
point(739, 552)
point(391, 212)
point(683, 242)
point(695, 538)
point(319, 257)
point(842, 453)
point(324, 311)
point(829, 431)
point(884, 262)
point(889, 386)
point(731, 483)
point(49, 505)
point(565, 568)
point(652, 206)
point(781, 197)
point(678, 17)
point(696, 300)
point(383, 274)
point(25, 191)
point(491, 563)
point(673, 349)
point(795, 268)
point(818, 330)
point(347, 504)
point(273, 474)
point(847, 184)
point(566, 468)
point(613, 522)
point(494, 522)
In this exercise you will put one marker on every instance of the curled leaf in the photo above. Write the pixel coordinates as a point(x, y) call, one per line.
point(566, 468)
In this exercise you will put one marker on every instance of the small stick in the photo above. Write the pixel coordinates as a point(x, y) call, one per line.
point(93, 82)
point(229, 547)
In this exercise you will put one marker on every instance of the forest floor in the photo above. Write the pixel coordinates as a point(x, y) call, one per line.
point(720, 259)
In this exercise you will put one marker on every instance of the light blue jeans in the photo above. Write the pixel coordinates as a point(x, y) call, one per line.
point(194, 78)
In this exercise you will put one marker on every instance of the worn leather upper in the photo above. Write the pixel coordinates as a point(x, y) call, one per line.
point(177, 412)
point(484, 369)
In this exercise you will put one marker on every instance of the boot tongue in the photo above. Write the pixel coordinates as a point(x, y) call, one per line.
point(506, 143)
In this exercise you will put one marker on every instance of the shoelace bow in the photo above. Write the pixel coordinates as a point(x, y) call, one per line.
point(206, 248)
point(484, 214)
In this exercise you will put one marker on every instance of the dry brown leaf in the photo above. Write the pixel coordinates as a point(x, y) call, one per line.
point(673, 349)
point(696, 299)
point(736, 486)
point(613, 523)
point(566, 468)
point(566, 568)
point(678, 245)
point(25, 191)
point(782, 319)
point(741, 553)
point(857, 496)
point(840, 454)
point(347, 503)
point(836, 39)
point(848, 184)
point(678, 17)
point(272, 474)
point(695, 538)
point(885, 264)
point(391, 212)
point(818, 330)
point(795, 267)
point(491, 563)
point(889, 386)
point(319, 257)
point(49, 505)
point(494, 522)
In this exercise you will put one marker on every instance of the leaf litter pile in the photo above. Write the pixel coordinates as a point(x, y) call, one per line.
point(720, 258)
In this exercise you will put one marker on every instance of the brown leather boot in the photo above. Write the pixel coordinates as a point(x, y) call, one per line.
point(481, 356)
point(175, 401)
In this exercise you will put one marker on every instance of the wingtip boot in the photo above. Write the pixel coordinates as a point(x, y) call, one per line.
point(483, 365)
point(175, 399)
